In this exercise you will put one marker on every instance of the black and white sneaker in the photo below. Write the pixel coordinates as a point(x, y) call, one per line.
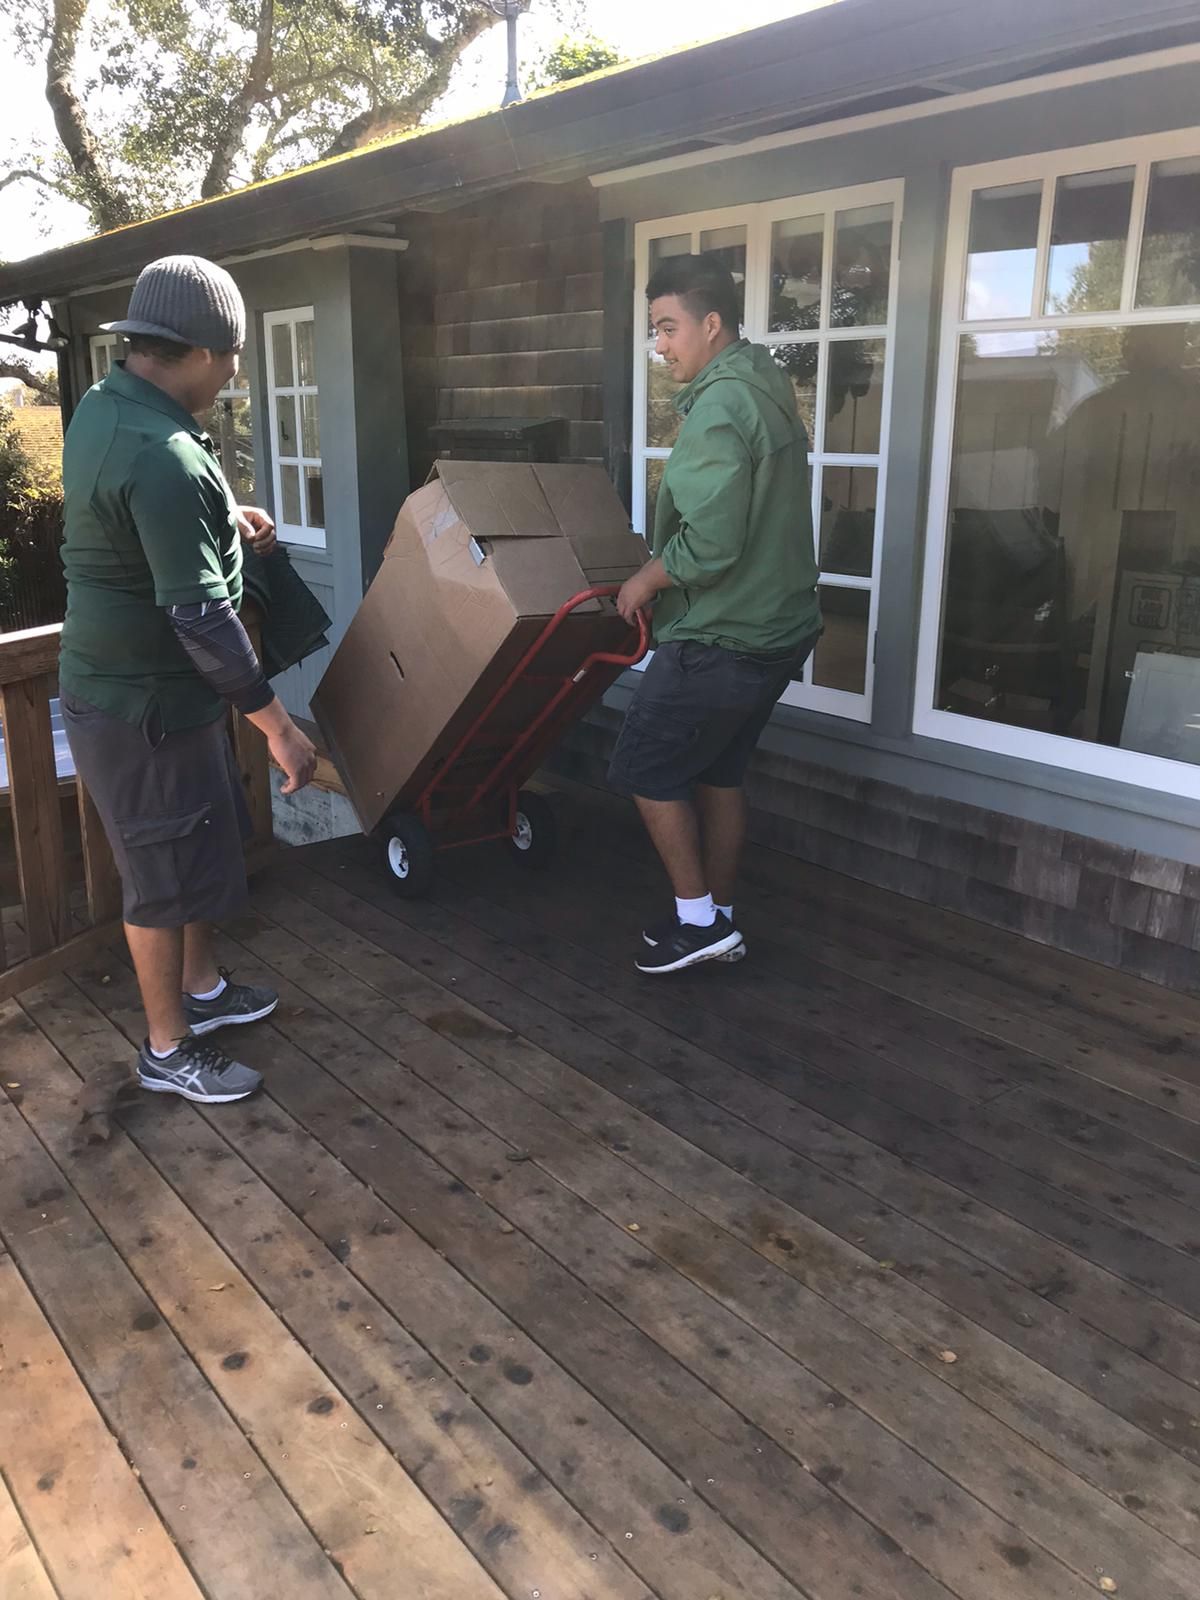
point(687, 945)
point(236, 1003)
point(657, 932)
point(198, 1070)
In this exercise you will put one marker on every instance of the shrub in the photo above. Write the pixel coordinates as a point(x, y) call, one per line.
point(32, 588)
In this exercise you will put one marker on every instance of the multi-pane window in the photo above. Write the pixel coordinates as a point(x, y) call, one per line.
point(103, 350)
point(230, 425)
point(295, 416)
point(1062, 604)
point(817, 278)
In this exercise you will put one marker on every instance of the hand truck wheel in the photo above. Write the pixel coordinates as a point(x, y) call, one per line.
point(407, 853)
point(534, 841)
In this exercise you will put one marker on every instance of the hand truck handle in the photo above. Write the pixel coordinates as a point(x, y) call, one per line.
point(609, 591)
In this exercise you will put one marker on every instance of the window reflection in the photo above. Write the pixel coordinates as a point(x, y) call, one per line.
point(1087, 242)
point(862, 265)
point(800, 362)
point(1002, 251)
point(655, 467)
point(797, 253)
point(1169, 271)
point(728, 245)
point(854, 403)
point(663, 422)
point(1072, 597)
point(848, 497)
point(840, 659)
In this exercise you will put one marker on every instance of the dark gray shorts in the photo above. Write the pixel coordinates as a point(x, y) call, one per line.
point(173, 811)
point(698, 714)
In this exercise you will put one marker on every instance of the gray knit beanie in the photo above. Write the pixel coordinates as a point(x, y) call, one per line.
point(189, 300)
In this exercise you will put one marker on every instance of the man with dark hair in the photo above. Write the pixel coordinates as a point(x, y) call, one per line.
point(733, 582)
point(153, 655)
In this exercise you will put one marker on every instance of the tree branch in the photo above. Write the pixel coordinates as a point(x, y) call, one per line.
point(41, 383)
point(342, 73)
point(253, 90)
point(28, 175)
point(397, 116)
point(109, 207)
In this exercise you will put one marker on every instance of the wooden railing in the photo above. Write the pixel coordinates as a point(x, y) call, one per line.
point(67, 900)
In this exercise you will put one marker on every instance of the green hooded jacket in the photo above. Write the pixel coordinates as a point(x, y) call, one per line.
point(733, 525)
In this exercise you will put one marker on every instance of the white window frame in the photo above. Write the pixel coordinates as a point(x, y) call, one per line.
point(758, 220)
point(114, 343)
point(1051, 749)
point(292, 533)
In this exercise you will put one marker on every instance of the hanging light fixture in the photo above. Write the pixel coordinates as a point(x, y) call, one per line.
point(25, 334)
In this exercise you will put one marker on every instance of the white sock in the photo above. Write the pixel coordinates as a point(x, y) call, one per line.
point(213, 994)
point(726, 911)
point(162, 1055)
point(699, 913)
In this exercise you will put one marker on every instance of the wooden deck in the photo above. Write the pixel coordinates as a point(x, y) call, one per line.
point(869, 1268)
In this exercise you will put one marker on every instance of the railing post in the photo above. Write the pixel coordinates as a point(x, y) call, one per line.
point(37, 822)
point(250, 751)
point(28, 675)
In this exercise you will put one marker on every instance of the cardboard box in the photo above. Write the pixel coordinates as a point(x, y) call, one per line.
point(478, 561)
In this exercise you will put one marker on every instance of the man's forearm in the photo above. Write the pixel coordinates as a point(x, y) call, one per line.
point(643, 589)
point(272, 720)
point(656, 577)
point(219, 648)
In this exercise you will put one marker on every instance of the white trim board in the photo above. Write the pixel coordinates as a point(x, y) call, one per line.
point(1101, 72)
point(324, 241)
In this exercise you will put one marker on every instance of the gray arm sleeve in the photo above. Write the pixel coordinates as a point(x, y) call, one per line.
point(220, 650)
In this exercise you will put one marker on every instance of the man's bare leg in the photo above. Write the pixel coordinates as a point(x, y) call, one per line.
point(722, 833)
point(200, 975)
point(674, 832)
point(158, 961)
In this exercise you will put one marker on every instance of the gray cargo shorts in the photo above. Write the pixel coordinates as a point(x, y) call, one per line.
point(697, 715)
point(174, 813)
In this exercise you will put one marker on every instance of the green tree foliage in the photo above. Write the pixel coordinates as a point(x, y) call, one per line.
point(157, 103)
point(573, 58)
point(1168, 273)
point(31, 583)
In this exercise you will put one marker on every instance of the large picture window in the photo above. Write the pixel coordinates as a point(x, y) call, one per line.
point(817, 278)
point(1062, 601)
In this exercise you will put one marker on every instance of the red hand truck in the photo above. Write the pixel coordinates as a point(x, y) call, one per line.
point(475, 794)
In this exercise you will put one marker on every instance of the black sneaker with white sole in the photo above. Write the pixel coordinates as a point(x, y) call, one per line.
point(198, 1070)
point(657, 932)
point(237, 1003)
point(687, 945)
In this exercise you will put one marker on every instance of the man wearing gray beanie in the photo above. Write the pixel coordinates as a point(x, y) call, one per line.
point(153, 655)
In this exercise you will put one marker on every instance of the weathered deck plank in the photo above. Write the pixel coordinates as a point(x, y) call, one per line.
point(615, 1290)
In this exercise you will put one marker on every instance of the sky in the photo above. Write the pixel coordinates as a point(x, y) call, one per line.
point(632, 27)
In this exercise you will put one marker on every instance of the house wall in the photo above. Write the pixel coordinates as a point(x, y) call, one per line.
point(1100, 865)
point(353, 292)
point(502, 313)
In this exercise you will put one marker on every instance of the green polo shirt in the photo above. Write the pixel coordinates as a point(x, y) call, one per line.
point(150, 523)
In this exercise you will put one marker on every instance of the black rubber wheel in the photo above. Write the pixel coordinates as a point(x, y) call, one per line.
point(407, 852)
point(534, 843)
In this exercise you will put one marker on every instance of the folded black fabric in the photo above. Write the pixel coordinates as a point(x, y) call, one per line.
point(295, 625)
